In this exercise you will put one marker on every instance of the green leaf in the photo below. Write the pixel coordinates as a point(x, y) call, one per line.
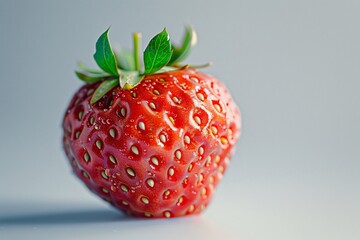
point(84, 68)
point(104, 55)
point(129, 79)
point(181, 52)
point(103, 88)
point(167, 69)
point(158, 52)
point(125, 59)
point(90, 79)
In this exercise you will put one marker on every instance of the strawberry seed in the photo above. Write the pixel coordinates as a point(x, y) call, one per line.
point(167, 214)
point(130, 171)
point(104, 175)
point(167, 193)
point(146, 214)
point(187, 139)
point(200, 96)
point(155, 161)
point(123, 112)
point(145, 200)
point(194, 79)
point(171, 171)
point(80, 115)
point(92, 120)
point(197, 120)
point(86, 157)
point(217, 107)
point(201, 150)
point(99, 144)
point(224, 140)
point(150, 182)
point(175, 100)
point(141, 125)
point(124, 188)
point(105, 190)
point(112, 159)
point(178, 154)
point(152, 106)
point(77, 134)
point(214, 130)
point(112, 132)
point(162, 138)
point(191, 208)
point(135, 150)
point(85, 174)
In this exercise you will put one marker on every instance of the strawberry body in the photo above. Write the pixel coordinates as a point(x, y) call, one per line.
point(157, 150)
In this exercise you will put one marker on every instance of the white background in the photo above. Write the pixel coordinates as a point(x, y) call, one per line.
point(292, 66)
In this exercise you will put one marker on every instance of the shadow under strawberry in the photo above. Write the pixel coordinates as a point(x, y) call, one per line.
point(55, 217)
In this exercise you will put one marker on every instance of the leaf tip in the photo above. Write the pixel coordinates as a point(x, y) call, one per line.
point(92, 100)
point(104, 55)
point(164, 31)
point(78, 74)
point(193, 33)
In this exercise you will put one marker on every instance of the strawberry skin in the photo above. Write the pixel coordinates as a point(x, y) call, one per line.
point(157, 150)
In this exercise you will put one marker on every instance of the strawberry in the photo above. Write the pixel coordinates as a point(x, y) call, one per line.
point(152, 143)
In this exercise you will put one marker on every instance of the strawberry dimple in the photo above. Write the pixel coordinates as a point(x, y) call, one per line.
point(157, 150)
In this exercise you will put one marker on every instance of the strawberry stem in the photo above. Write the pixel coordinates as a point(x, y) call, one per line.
point(137, 46)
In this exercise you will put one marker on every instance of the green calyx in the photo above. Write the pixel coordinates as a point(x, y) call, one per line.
point(124, 68)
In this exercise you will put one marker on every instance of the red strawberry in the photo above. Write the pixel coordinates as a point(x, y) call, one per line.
point(158, 149)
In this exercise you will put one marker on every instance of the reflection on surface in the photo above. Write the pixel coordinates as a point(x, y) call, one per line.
point(64, 217)
point(47, 213)
point(77, 220)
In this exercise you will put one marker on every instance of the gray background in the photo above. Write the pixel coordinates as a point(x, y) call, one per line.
point(292, 66)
